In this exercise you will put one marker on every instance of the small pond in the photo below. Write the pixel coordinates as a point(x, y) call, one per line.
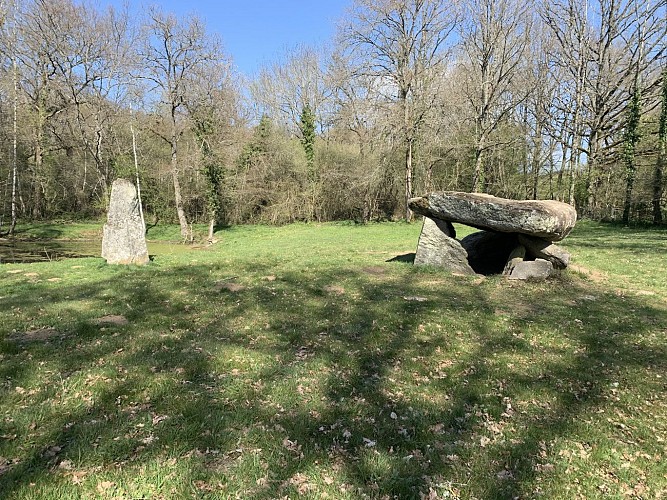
point(24, 252)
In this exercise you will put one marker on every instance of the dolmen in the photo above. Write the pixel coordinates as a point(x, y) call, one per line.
point(124, 234)
point(516, 238)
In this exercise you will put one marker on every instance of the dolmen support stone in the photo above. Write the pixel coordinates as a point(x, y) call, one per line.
point(516, 239)
point(124, 234)
point(438, 247)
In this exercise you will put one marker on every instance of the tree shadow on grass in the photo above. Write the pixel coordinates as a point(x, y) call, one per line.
point(293, 387)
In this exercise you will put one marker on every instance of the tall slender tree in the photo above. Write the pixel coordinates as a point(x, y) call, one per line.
point(661, 161)
point(495, 38)
point(405, 45)
point(632, 137)
point(173, 54)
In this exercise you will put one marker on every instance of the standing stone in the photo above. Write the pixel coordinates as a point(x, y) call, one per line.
point(538, 269)
point(124, 237)
point(438, 247)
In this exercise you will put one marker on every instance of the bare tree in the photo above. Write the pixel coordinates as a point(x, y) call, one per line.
point(296, 94)
point(283, 89)
point(405, 46)
point(173, 54)
point(92, 66)
point(495, 38)
point(213, 110)
point(569, 24)
point(9, 32)
point(36, 52)
point(605, 43)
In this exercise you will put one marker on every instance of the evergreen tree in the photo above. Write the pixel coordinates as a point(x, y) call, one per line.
point(632, 137)
point(204, 129)
point(307, 126)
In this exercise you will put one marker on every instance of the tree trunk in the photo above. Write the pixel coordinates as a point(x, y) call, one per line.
point(408, 179)
point(657, 184)
point(409, 140)
point(178, 198)
point(211, 229)
point(661, 162)
point(629, 186)
point(478, 174)
point(563, 165)
point(136, 173)
point(537, 155)
point(593, 179)
point(12, 225)
point(37, 181)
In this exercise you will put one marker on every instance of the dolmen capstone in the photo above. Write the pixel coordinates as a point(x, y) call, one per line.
point(124, 234)
point(516, 237)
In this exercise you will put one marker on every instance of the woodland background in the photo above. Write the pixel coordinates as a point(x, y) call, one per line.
point(529, 100)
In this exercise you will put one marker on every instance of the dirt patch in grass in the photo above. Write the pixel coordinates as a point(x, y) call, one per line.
point(38, 335)
point(592, 274)
point(334, 289)
point(111, 320)
point(375, 270)
point(230, 287)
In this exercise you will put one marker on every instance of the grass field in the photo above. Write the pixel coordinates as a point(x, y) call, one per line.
point(308, 361)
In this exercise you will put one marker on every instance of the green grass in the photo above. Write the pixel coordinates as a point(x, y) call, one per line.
point(333, 372)
point(77, 231)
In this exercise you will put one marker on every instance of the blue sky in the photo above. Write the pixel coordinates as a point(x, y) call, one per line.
point(254, 32)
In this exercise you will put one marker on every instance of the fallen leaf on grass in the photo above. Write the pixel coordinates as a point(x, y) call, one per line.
point(300, 481)
point(334, 289)
point(415, 299)
point(66, 465)
point(78, 477)
point(52, 451)
point(159, 418)
point(369, 443)
point(104, 486)
point(504, 475)
point(292, 446)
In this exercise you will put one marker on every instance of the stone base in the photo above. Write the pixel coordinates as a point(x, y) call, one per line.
point(124, 244)
point(538, 269)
